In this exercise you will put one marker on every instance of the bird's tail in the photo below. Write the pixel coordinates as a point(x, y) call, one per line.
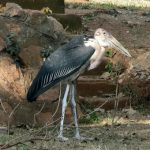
point(30, 96)
point(33, 91)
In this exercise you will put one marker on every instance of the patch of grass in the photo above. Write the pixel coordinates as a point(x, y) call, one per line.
point(89, 17)
point(90, 119)
point(109, 67)
point(4, 138)
point(110, 4)
point(109, 53)
point(89, 5)
point(22, 147)
point(129, 3)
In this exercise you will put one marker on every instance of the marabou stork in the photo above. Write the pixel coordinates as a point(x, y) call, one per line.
point(67, 63)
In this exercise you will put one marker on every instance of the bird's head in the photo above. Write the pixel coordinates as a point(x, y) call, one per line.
point(105, 39)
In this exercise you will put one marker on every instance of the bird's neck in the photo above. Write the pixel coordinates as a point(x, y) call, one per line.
point(97, 57)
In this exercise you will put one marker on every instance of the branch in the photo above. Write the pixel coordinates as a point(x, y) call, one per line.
point(2, 106)
point(38, 113)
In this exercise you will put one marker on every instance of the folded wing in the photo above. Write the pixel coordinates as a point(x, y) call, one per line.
point(62, 63)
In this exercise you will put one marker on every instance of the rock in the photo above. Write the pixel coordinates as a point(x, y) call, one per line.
point(106, 103)
point(91, 86)
point(2, 44)
point(31, 56)
point(34, 31)
point(32, 28)
point(141, 67)
point(11, 79)
point(138, 76)
point(11, 12)
point(97, 92)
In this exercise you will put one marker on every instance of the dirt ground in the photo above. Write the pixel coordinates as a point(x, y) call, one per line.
point(115, 130)
point(130, 27)
point(127, 129)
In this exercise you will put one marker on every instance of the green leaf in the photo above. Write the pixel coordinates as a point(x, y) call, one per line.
point(109, 53)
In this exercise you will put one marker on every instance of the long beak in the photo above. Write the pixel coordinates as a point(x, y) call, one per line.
point(118, 46)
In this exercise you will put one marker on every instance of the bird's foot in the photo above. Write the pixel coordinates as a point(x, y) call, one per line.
point(80, 138)
point(62, 138)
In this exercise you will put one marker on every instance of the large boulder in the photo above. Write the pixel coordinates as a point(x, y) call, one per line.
point(34, 31)
point(12, 83)
point(138, 76)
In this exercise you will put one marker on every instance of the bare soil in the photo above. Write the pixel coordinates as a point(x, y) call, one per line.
point(115, 130)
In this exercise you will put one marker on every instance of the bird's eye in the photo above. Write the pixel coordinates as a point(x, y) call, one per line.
point(104, 33)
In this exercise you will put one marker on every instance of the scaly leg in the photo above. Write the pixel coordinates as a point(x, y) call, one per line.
point(64, 105)
point(74, 111)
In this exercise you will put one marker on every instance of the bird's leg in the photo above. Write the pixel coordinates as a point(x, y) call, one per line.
point(64, 105)
point(74, 111)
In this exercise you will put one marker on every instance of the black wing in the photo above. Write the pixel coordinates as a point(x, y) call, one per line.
point(59, 65)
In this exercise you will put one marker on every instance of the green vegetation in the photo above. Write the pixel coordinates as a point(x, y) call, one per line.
point(88, 5)
point(12, 46)
point(110, 4)
point(91, 118)
point(109, 53)
point(22, 147)
point(89, 17)
point(109, 67)
point(45, 52)
point(4, 138)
